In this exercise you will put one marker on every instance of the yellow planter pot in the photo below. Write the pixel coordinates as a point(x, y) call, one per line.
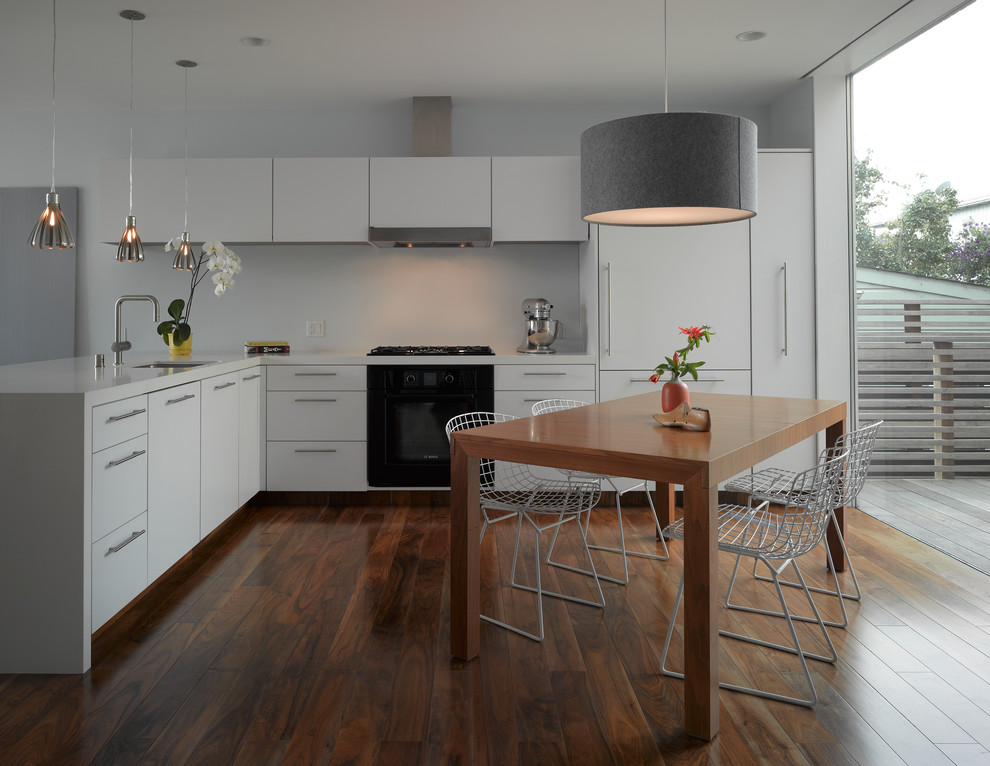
point(183, 349)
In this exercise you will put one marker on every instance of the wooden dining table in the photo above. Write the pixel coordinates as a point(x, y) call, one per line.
point(620, 438)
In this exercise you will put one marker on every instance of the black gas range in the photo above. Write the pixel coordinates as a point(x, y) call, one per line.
point(431, 351)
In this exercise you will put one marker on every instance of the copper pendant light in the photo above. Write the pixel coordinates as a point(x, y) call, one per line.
point(130, 248)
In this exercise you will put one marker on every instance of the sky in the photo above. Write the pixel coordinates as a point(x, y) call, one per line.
point(925, 107)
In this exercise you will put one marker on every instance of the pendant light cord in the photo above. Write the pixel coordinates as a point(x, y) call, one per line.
point(665, 56)
point(54, 33)
point(185, 139)
point(130, 113)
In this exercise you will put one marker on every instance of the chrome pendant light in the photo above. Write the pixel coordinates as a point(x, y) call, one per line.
point(52, 230)
point(184, 258)
point(130, 248)
point(670, 169)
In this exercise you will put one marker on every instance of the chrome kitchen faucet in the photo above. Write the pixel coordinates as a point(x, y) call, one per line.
point(119, 346)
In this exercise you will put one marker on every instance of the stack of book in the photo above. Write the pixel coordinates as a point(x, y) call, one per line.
point(266, 347)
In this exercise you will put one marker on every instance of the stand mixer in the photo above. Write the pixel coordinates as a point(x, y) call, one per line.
point(541, 330)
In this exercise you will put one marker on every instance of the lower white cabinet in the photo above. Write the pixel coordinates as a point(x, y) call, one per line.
point(120, 568)
point(520, 403)
point(219, 443)
point(120, 484)
point(173, 481)
point(250, 455)
point(519, 386)
point(317, 466)
point(617, 384)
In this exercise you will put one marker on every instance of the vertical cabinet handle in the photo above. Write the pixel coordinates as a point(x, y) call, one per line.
point(784, 269)
point(608, 308)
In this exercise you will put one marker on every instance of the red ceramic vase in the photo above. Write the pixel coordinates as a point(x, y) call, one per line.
point(674, 392)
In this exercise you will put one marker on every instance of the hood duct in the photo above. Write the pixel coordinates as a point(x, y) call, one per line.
point(431, 138)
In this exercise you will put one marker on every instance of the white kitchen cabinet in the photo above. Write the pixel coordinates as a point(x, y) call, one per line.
point(120, 568)
point(783, 287)
point(219, 444)
point(654, 280)
point(317, 428)
point(617, 384)
point(430, 191)
point(537, 199)
point(229, 199)
point(120, 484)
point(519, 386)
point(173, 481)
point(320, 199)
point(250, 454)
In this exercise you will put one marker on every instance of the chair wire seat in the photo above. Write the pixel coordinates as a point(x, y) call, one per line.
point(556, 405)
point(512, 490)
point(777, 539)
point(773, 485)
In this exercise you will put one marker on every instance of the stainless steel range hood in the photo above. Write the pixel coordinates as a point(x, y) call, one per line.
point(431, 138)
point(436, 236)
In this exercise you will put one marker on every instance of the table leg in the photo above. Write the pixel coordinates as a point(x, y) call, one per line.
point(700, 609)
point(465, 569)
point(663, 501)
point(832, 433)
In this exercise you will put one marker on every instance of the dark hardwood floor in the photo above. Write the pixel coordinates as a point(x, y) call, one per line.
point(314, 635)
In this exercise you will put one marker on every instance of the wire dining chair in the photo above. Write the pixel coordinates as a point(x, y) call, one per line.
point(556, 405)
point(512, 490)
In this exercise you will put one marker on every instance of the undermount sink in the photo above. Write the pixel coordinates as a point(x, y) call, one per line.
point(170, 365)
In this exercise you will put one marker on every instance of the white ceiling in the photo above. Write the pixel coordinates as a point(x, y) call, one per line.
point(326, 52)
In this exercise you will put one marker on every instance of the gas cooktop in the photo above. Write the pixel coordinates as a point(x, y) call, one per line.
point(431, 351)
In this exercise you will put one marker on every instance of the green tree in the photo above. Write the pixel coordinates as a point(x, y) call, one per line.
point(921, 235)
point(873, 250)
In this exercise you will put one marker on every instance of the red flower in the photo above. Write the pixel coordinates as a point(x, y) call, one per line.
point(677, 357)
point(654, 378)
point(692, 332)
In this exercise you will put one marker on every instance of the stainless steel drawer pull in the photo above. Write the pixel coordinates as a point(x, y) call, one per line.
point(532, 400)
point(134, 536)
point(115, 463)
point(315, 450)
point(315, 374)
point(640, 380)
point(315, 400)
point(250, 377)
point(115, 418)
point(180, 399)
point(224, 385)
point(545, 373)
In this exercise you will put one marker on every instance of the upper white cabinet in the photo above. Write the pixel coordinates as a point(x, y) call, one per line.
point(654, 280)
point(229, 199)
point(322, 199)
point(537, 199)
point(431, 191)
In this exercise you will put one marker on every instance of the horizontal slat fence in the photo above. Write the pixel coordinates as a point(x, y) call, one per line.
point(924, 368)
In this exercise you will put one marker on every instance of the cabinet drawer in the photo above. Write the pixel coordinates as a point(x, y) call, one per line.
point(317, 377)
point(120, 484)
point(119, 421)
point(337, 415)
point(120, 568)
point(616, 384)
point(317, 466)
point(520, 403)
point(545, 377)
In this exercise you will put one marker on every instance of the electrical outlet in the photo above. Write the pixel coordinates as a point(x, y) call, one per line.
point(314, 328)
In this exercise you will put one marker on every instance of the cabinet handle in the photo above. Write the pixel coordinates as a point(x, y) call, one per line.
point(180, 399)
point(225, 385)
point(250, 377)
point(532, 400)
point(608, 308)
point(544, 373)
point(784, 269)
point(699, 380)
point(115, 418)
point(115, 463)
point(640, 380)
point(315, 450)
point(315, 400)
point(134, 536)
point(315, 374)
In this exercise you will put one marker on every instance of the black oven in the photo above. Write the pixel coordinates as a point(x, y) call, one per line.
point(408, 407)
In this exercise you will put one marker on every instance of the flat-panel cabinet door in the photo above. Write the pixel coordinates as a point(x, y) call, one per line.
point(218, 485)
point(431, 191)
point(537, 199)
point(783, 286)
point(173, 481)
point(320, 199)
point(250, 434)
point(654, 280)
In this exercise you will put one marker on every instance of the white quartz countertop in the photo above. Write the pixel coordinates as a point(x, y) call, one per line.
point(79, 376)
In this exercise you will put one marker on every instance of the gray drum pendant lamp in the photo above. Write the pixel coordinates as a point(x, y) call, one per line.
point(52, 230)
point(670, 169)
point(130, 248)
point(184, 258)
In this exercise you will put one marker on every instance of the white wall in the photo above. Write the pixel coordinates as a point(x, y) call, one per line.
point(366, 296)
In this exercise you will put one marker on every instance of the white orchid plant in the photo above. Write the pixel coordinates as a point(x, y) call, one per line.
point(219, 260)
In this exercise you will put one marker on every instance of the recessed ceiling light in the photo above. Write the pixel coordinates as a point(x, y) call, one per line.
point(255, 42)
point(750, 36)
